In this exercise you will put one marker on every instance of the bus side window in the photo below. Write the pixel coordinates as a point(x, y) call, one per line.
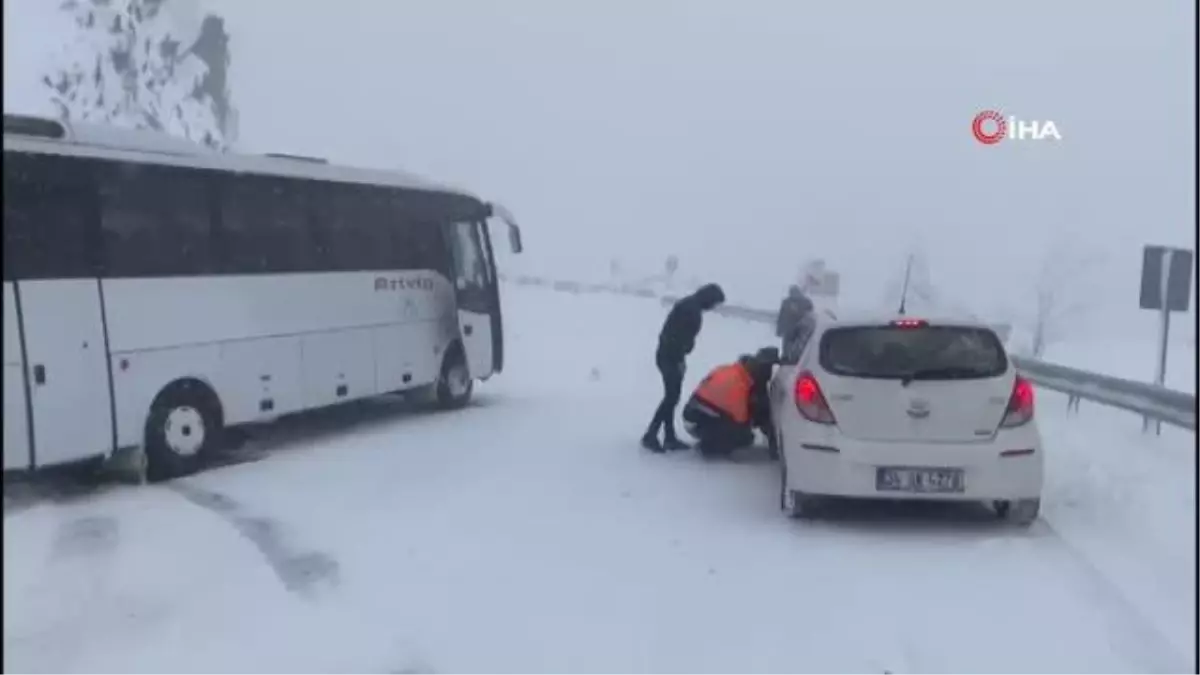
point(422, 245)
point(419, 242)
point(266, 226)
point(355, 224)
point(50, 225)
point(157, 220)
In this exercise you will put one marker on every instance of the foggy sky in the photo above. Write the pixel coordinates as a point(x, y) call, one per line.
point(747, 136)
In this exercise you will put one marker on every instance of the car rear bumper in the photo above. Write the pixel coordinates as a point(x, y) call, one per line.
point(844, 467)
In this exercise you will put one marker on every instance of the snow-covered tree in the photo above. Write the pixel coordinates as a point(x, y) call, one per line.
point(1060, 294)
point(671, 266)
point(212, 48)
point(131, 64)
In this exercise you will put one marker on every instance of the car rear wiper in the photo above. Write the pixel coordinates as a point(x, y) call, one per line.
point(946, 373)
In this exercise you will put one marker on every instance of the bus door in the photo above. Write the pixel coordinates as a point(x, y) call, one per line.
point(515, 245)
point(16, 403)
point(494, 291)
point(50, 240)
point(67, 369)
point(476, 297)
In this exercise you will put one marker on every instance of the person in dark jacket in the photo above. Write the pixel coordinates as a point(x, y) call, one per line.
point(795, 318)
point(793, 308)
point(675, 342)
point(731, 403)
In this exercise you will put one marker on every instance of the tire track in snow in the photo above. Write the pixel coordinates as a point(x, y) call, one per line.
point(82, 554)
point(301, 572)
point(1134, 635)
point(1133, 641)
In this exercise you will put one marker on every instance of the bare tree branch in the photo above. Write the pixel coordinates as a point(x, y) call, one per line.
point(1060, 292)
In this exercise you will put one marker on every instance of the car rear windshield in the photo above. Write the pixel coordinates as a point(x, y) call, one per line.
point(913, 353)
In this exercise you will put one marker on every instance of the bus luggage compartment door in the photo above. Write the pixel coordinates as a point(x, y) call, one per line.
point(67, 367)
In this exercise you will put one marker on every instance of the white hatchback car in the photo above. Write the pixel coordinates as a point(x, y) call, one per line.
point(904, 408)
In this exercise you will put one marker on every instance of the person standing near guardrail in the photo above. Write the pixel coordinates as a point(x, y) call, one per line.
point(675, 341)
point(793, 312)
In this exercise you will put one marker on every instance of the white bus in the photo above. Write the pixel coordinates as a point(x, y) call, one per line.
point(156, 292)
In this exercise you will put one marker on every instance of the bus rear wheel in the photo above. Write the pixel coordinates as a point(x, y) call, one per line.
point(182, 431)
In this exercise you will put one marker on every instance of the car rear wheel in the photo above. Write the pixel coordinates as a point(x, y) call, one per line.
point(794, 504)
point(1020, 512)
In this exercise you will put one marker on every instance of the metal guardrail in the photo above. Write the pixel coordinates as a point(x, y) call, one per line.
point(1148, 400)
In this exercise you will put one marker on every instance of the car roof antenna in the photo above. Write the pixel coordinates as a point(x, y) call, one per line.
point(904, 288)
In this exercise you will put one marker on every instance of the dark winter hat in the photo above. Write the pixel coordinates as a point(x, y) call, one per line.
point(767, 355)
point(710, 295)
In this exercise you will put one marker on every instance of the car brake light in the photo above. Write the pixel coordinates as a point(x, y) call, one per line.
point(810, 401)
point(910, 323)
point(1020, 404)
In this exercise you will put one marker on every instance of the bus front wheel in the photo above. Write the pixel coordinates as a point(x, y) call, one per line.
point(182, 430)
point(454, 384)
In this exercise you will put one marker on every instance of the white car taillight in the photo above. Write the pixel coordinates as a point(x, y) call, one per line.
point(810, 401)
point(1020, 404)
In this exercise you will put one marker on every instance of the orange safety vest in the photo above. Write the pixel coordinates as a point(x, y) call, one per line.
point(727, 388)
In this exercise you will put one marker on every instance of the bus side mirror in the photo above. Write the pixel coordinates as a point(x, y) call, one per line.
point(514, 239)
point(514, 230)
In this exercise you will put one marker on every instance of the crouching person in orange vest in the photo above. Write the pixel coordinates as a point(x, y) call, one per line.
point(730, 403)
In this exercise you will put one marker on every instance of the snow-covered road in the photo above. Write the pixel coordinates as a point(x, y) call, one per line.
point(529, 533)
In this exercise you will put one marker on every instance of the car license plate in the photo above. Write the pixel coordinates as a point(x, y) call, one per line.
point(902, 479)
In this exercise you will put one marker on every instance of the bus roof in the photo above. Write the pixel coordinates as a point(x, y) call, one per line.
point(43, 135)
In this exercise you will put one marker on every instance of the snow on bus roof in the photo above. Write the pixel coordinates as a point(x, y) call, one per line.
point(110, 142)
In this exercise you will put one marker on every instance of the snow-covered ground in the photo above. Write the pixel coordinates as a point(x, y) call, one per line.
point(529, 533)
point(1130, 359)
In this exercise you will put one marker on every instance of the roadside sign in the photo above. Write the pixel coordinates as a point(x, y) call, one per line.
point(1166, 287)
point(1178, 278)
point(818, 281)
